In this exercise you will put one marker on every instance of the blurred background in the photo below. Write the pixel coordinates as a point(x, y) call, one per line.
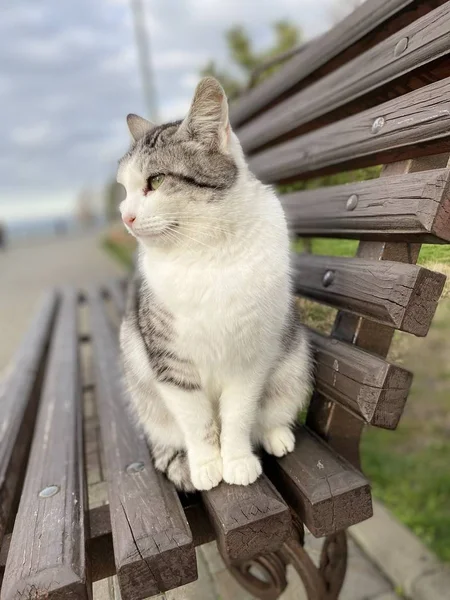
point(69, 74)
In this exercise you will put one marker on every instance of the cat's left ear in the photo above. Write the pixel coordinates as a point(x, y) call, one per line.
point(207, 119)
point(138, 126)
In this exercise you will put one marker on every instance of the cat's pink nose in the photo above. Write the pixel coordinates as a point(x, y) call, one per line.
point(128, 219)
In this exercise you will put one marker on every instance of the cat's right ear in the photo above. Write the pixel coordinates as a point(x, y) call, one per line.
point(138, 126)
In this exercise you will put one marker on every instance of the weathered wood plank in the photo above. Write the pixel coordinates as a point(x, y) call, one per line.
point(248, 520)
point(412, 208)
point(99, 545)
point(19, 396)
point(368, 25)
point(153, 544)
point(368, 385)
point(416, 124)
point(382, 73)
point(332, 422)
point(402, 296)
point(323, 489)
point(47, 553)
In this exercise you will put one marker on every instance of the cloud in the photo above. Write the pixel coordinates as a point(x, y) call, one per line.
point(69, 74)
point(35, 136)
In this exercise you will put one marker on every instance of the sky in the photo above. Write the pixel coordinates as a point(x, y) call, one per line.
point(69, 76)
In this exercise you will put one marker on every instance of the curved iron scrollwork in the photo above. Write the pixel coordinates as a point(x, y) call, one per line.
point(265, 575)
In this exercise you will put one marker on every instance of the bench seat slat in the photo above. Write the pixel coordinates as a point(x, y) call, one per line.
point(115, 292)
point(369, 24)
point(19, 393)
point(408, 208)
point(373, 388)
point(339, 94)
point(323, 488)
point(416, 124)
point(248, 520)
point(47, 553)
point(398, 295)
point(153, 544)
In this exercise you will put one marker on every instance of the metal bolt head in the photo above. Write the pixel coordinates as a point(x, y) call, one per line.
point(49, 491)
point(352, 202)
point(401, 46)
point(135, 467)
point(328, 278)
point(377, 124)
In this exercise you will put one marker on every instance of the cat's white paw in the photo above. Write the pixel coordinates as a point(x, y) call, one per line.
point(242, 471)
point(278, 441)
point(207, 475)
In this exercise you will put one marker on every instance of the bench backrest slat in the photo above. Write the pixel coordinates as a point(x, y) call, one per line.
point(406, 208)
point(371, 387)
point(47, 552)
point(388, 70)
point(402, 296)
point(413, 125)
point(369, 24)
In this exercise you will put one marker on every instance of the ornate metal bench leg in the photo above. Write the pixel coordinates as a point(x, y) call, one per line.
point(333, 563)
point(265, 575)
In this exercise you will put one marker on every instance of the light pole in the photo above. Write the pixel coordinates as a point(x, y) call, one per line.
point(143, 47)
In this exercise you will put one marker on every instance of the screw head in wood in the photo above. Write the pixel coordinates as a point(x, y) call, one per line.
point(352, 202)
point(49, 491)
point(377, 124)
point(401, 46)
point(328, 278)
point(135, 467)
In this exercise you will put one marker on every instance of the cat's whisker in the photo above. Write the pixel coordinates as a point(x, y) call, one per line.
point(178, 232)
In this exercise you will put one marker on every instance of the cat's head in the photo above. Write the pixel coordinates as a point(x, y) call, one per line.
point(180, 177)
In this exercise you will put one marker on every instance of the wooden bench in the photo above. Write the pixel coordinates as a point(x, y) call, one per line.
point(79, 497)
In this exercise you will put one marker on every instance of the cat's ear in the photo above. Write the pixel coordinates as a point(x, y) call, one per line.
point(138, 126)
point(207, 119)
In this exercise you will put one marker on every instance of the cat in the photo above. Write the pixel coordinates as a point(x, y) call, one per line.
point(214, 357)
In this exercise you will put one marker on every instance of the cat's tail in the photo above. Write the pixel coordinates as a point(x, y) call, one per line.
point(174, 464)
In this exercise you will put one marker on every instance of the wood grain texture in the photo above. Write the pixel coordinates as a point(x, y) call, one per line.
point(323, 489)
point(99, 545)
point(414, 208)
point(402, 296)
point(47, 554)
point(248, 520)
point(329, 419)
point(366, 26)
point(153, 544)
point(19, 396)
point(416, 124)
point(374, 74)
point(362, 382)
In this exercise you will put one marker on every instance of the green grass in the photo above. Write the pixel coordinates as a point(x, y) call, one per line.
point(413, 484)
point(430, 253)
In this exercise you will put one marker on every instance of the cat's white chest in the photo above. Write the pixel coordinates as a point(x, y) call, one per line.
point(223, 314)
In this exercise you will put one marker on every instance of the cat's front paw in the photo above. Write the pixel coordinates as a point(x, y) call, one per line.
point(208, 474)
point(242, 471)
point(278, 441)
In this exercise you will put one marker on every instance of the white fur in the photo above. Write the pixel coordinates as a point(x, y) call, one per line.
point(226, 282)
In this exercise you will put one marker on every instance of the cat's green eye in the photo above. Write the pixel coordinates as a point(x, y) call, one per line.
point(155, 181)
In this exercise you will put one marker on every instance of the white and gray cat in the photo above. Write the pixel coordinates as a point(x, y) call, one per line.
point(215, 359)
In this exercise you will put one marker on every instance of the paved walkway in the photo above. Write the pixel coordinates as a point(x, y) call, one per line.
point(26, 271)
